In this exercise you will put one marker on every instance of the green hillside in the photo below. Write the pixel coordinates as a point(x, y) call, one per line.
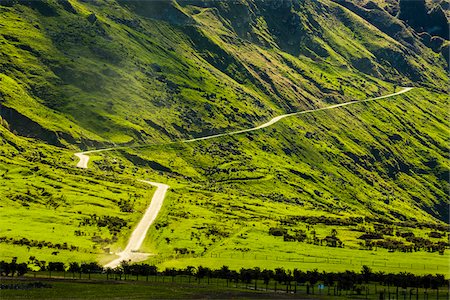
point(89, 72)
point(77, 75)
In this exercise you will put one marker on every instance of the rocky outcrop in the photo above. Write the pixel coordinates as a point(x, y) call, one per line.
point(416, 15)
point(24, 126)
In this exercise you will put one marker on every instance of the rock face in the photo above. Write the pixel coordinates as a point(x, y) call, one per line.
point(417, 15)
point(405, 20)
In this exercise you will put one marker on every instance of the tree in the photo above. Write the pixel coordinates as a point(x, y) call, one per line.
point(172, 272)
point(256, 275)
point(366, 273)
point(437, 282)
point(312, 277)
point(224, 272)
point(108, 272)
point(125, 266)
point(328, 280)
point(202, 272)
point(189, 270)
point(299, 276)
point(22, 269)
point(148, 270)
point(346, 280)
point(13, 266)
point(89, 268)
point(280, 275)
point(74, 267)
point(266, 275)
point(246, 275)
point(234, 276)
point(4, 268)
point(56, 267)
point(426, 281)
point(118, 271)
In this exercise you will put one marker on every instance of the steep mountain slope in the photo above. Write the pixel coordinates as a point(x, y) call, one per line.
point(108, 73)
point(408, 21)
point(362, 161)
point(90, 74)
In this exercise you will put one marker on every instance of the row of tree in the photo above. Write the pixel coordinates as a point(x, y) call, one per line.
point(347, 280)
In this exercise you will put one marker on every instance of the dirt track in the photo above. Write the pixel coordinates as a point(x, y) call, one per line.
point(140, 232)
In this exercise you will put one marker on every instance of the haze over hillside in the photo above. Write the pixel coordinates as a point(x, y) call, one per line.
point(86, 75)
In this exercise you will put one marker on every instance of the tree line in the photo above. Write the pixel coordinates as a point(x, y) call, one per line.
point(336, 281)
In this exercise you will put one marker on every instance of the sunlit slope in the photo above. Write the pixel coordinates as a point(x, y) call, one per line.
point(53, 211)
point(383, 159)
point(359, 169)
point(94, 74)
point(106, 72)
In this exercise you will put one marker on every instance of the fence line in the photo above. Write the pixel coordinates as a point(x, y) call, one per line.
point(309, 260)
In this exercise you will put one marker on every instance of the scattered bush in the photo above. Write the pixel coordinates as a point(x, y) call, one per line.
point(277, 231)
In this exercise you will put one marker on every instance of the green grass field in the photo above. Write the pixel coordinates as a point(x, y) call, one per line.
point(84, 290)
point(183, 287)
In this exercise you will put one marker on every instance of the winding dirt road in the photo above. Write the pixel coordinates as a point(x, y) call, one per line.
point(140, 232)
point(276, 119)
